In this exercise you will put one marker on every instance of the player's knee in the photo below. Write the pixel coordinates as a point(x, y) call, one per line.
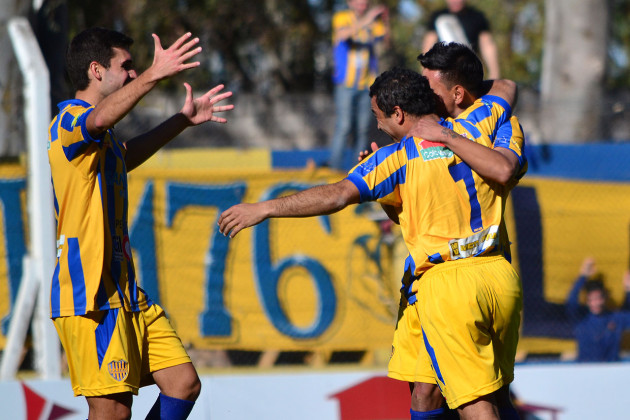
point(123, 413)
point(190, 386)
point(426, 397)
point(195, 389)
point(109, 408)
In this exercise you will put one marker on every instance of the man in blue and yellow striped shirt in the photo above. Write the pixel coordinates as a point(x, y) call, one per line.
point(115, 338)
point(450, 220)
point(357, 32)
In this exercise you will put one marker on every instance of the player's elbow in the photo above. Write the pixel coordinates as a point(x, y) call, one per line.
point(503, 177)
point(338, 203)
point(504, 174)
point(98, 124)
point(343, 194)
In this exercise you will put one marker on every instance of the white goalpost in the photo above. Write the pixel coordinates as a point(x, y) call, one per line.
point(33, 295)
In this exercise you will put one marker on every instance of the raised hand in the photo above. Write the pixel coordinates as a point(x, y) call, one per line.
point(203, 109)
point(375, 12)
point(588, 268)
point(170, 61)
point(365, 153)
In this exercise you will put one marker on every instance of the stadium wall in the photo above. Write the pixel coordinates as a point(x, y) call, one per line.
point(330, 283)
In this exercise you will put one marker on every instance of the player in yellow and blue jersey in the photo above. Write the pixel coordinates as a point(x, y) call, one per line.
point(455, 74)
point(357, 33)
point(450, 219)
point(115, 338)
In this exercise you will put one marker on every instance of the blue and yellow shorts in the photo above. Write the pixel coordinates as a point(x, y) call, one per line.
point(462, 332)
point(115, 350)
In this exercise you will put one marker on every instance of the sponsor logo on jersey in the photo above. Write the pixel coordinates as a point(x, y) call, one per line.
point(431, 150)
point(118, 369)
point(475, 244)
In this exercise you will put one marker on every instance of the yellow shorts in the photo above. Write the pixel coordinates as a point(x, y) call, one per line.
point(463, 329)
point(409, 360)
point(113, 351)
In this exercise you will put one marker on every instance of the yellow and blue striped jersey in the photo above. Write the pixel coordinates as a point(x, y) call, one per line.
point(355, 60)
point(478, 120)
point(94, 269)
point(447, 211)
point(510, 136)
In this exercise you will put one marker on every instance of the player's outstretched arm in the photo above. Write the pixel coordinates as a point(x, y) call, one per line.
point(316, 201)
point(166, 63)
point(498, 165)
point(194, 112)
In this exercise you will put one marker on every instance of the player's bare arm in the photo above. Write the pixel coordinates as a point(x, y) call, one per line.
point(166, 63)
point(429, 40)
point(503, 88)
point(498, 165)
point(316, 201)
point(488, 49)
point(194, 112)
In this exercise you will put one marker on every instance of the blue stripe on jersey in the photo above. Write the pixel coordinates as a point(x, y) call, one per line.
point(373, 161)
point(489, 99)
point(410, 148)
point(364, 191)
point(447, 124)
point(133, 289)
point(102, 300)
point(67, 122)
point(474, 131)
point(110, 182)
point(104, 332)
point(55, 297)
point(431, 352)
point(55, 202)
point(54, 130)
point(436, 258)
point(389, 185)
point(462, 172)
point(504, 134)
point(76, 276)
point(367, 166)
point(410, 267)
point(75, 150)
point(480, 113)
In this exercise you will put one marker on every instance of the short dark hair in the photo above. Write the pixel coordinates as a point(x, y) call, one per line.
point(404, 88)
point(458, 64)
point(93, 44)
point(594, 285)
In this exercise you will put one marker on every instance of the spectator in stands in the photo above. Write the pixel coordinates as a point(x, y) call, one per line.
point(461, 23)
point(598, 329)
point(357, 33)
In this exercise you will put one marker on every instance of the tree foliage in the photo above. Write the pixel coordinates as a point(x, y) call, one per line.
point(274, 46)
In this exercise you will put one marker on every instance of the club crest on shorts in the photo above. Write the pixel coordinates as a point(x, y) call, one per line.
point(118, 369)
